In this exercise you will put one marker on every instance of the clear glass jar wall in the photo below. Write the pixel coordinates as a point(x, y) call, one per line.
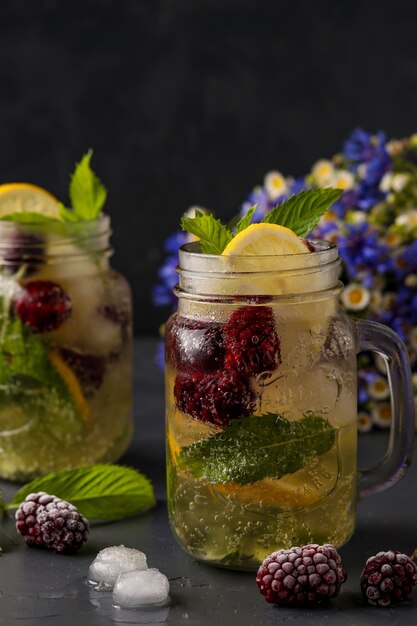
point(65, 349)
point(260, 406)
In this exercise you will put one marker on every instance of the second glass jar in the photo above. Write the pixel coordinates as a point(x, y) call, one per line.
point(65, 349)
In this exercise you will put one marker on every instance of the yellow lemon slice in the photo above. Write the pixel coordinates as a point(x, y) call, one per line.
point(265, 239)
point(27, 198)
point(72, 383)
point(288, 492)
point(173, 446)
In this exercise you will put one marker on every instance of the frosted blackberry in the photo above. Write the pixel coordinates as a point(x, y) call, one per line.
point(48, 522)
point(251, 343)
point(43, 305)
point(388, 578)
point(301, 576)
point(194, 345)
point(214, 398)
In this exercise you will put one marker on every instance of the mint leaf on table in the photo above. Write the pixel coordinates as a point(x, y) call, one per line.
point(87, 193)
point(302, 212)
point(100, 492)
point(214, 236)
point(245, 221)
point(257, 447)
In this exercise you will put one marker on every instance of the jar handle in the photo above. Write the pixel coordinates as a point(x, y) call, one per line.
point(381, 339)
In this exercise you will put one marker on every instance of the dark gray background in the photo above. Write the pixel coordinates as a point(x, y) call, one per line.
point(192, 101)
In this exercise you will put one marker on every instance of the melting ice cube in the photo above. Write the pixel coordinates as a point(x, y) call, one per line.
point(111, 562)
point(141, 588)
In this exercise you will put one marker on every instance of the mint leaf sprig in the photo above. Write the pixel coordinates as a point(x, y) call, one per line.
point(86, 191)
point(100, 492)
point(257, 447)
point(214, 235)
point(301, 213)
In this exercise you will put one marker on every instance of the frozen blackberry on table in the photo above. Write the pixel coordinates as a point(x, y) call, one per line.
point(48, 522)
point(301, 576)
point(387, 578)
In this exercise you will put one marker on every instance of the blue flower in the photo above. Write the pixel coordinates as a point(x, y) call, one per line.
point(263, 204)
point(175, 241)
point(362, 147)
point(162, 293)
point(159, 356)
point(348, 200)
point(369, 151)
point(297, 185)
point(368, 196)
point(363, 253)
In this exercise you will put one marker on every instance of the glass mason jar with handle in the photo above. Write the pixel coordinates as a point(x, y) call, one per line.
point(261, 405)
point(65, 348)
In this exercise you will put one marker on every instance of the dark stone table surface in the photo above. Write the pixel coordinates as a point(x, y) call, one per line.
point(42, 589)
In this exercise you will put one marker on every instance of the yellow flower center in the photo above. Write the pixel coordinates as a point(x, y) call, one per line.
point(355, 296)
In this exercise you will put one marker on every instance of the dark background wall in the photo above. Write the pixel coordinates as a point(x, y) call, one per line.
point(192, 101)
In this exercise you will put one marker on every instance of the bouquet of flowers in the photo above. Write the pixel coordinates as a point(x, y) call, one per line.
point(374, 224)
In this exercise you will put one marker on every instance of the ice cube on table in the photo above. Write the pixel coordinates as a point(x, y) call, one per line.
point(141, 588)
point(111, 562)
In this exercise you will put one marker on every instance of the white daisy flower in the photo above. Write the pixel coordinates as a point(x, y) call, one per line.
point(355, 297)
point(407, 219)
point(393, 240)
point(323, 172)
point(395, 146)
point(355, 217)
point(381, 414)
point(412, 338)
point(343, 179)
point(410, 281)
point(362, 170)
point(190, 212)
point(389, 300)
point(399, 181)
point(364, 422)
point(375, 299)
point(379, 388)
point(380, 364)
point(385, 182)
point(275, 185)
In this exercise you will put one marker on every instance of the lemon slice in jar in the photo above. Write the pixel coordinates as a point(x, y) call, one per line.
point(72, 383)
point(26, 198)
point(258, 240)
point(265, 239)
point(285, 493)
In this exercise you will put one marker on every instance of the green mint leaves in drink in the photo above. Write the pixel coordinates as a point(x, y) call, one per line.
point(100, 492)
point(300, 212)
point(257, 447)
point(87, 193)
point(214, 236)
point(33, 205)
point(30, 384)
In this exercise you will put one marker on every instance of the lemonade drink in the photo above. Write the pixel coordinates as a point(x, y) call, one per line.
point(261, 404)
point(65, 332)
